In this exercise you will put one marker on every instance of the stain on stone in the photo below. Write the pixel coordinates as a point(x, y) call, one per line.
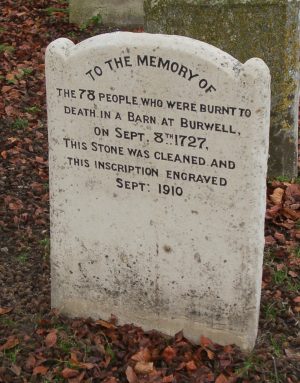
point(167, 248)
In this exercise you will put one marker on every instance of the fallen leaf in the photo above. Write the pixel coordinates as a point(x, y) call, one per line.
point(16, 369)
point(143, 355)
point(168, 379)
point(210, 354)
point(144, 368)
point(4, 154)
point(40, 370)
point(277, 196)
point(5, 310)
point(30, 362)
point(191, 365)
point(205, 342)
point(51, 339)
point(69, 373)
point(77, 379)
point(11, 342)
point(221, 379)
point(292, 354)
point(169, 354)
point(297, 299)
point(293, 274)
point(105, 324)
point(131, 375)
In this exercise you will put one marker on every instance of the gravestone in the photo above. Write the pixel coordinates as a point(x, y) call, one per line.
point(112, 12)
point(158, 156)
point(268, 29)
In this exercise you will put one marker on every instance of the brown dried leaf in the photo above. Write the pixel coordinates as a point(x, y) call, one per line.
point(143, 355)
point(293, 274)
point(51, 339)
point(191, 366)
point(5, 310)
point(16, 369)
point(205, 342)
point(69, 373)
point(168, 379)
point(105, 324)
point(292, 354)
point(277, 196)
point(210, 354)
point(144, 368)
point(221, 379)
point(131, 375)
point(30, 362)
point(77, 379)
point(4, 154)
point(297, 299)
point(169, 354)
point(40, 370)
point(11, 342)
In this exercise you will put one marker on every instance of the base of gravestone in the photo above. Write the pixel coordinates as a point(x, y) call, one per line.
point(268, 29)
point(78, 307)
point(118, 13)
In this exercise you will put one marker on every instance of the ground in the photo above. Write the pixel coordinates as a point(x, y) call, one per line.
point(40, 345)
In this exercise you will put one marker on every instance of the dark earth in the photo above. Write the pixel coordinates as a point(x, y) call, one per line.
point(40, 345)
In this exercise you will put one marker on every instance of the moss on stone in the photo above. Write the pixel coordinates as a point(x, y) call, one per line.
point(247, 28)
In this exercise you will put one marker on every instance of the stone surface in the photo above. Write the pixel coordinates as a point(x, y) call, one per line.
point(112, 12)
point(158, 157)
point(268, 29)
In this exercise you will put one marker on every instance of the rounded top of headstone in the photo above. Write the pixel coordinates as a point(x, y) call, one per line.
point(66, 49)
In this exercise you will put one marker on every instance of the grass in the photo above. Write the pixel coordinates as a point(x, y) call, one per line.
point(277, 345)
point(297, 252)
point(6, 48)
point(27, 71)
point(270, 312)
point(249, 364)
point(32, 109)
point(20, 123)
point(51, 10)
point(93, 21)
point(280, 276)
point(7, 322)
point(22, 258)
point(287, 179)
point(12, 354)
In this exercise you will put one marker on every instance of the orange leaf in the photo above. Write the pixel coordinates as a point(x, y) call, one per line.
point(51, 339)
point(69, 373)
point(39, 159)
point(221, 379)
point(105, 324)
point(77, 379)
point(130, 375)
point(277, 195)
point(191, 366)
point(4, 154)
point(169, 354)
point(87, 366)
point(210, 354)
point(143, 355)
point(168, 379)
point(42, 370)
point(297, 299)
point(205, 342)
point(293, 274)
point(5, 310)
point(11, 342)
point(30, 362)
point(144, 367)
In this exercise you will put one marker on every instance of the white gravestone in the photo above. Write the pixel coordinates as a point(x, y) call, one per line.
point(158, 156)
